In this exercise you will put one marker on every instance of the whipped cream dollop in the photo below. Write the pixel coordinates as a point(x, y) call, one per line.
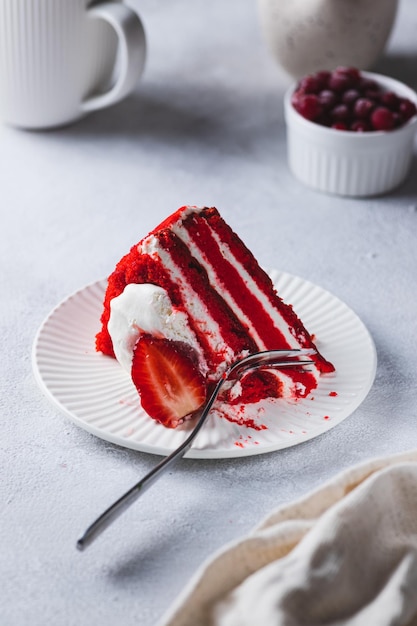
point(146, 309)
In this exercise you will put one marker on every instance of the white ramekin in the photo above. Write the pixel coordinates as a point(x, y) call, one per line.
point(349, 163)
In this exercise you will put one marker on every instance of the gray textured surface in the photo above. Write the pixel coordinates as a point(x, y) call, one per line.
point(204, 127)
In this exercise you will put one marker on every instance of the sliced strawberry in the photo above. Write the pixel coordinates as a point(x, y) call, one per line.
point(169, 383)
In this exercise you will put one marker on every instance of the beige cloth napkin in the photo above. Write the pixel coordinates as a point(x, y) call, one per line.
point(346, 554)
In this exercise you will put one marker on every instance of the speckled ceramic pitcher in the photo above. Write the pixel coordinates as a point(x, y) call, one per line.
point(308, 35)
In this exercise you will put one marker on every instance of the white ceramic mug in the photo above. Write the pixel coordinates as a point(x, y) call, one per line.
point(60, 59)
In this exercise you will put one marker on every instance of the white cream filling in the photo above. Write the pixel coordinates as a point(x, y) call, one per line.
point(143, 309)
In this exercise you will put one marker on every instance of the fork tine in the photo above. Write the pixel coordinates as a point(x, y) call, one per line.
point(269, 358)
point(272, 358)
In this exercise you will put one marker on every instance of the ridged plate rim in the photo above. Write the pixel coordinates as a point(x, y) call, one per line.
point(96, 394)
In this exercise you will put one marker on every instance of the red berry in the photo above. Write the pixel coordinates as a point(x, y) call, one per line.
point(340, 112)
point(350, 96)
point(323, 78)
point(390, 100)
point(169, 383)
point(339, 82)
point(382, 119)
point(295, 98)
point(368, 84)
point(309, 84)
point(363, 108)
point(398, 119)
point(407, 109)
point(327, 98)
point(353, 73)
point(308, 106)
point(339, 126)
point(360, 126)
point(373, 95)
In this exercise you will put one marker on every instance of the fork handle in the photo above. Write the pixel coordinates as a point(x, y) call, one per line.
point(124, 502)
point(116, 509)
point(137, 490)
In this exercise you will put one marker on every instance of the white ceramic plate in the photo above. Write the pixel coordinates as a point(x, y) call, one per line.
point(96, 394)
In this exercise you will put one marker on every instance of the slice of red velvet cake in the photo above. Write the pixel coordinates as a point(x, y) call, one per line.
point(187, 301)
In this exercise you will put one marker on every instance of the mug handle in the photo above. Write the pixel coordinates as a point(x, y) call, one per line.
point(132, 51)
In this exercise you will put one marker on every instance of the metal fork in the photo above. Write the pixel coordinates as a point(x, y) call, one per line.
point(268, 358)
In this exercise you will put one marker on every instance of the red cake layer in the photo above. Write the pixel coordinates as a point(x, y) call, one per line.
point(230, 302)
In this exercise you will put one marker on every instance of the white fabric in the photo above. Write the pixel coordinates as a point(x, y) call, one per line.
point(344, 555)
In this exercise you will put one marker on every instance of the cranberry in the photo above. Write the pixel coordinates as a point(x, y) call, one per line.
point(368, 84)
point(398, 119)
point(350, 96)
point(360, 126)
point(339, 82)
point(353, 73)
point(339, 125)
point(382, 119)
point(390, 100)
point(340, 112)
point(308, 106)
point(323, 78)
point(407, 109)
point(309, 84)
point(363, 108)
point(327, 98)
